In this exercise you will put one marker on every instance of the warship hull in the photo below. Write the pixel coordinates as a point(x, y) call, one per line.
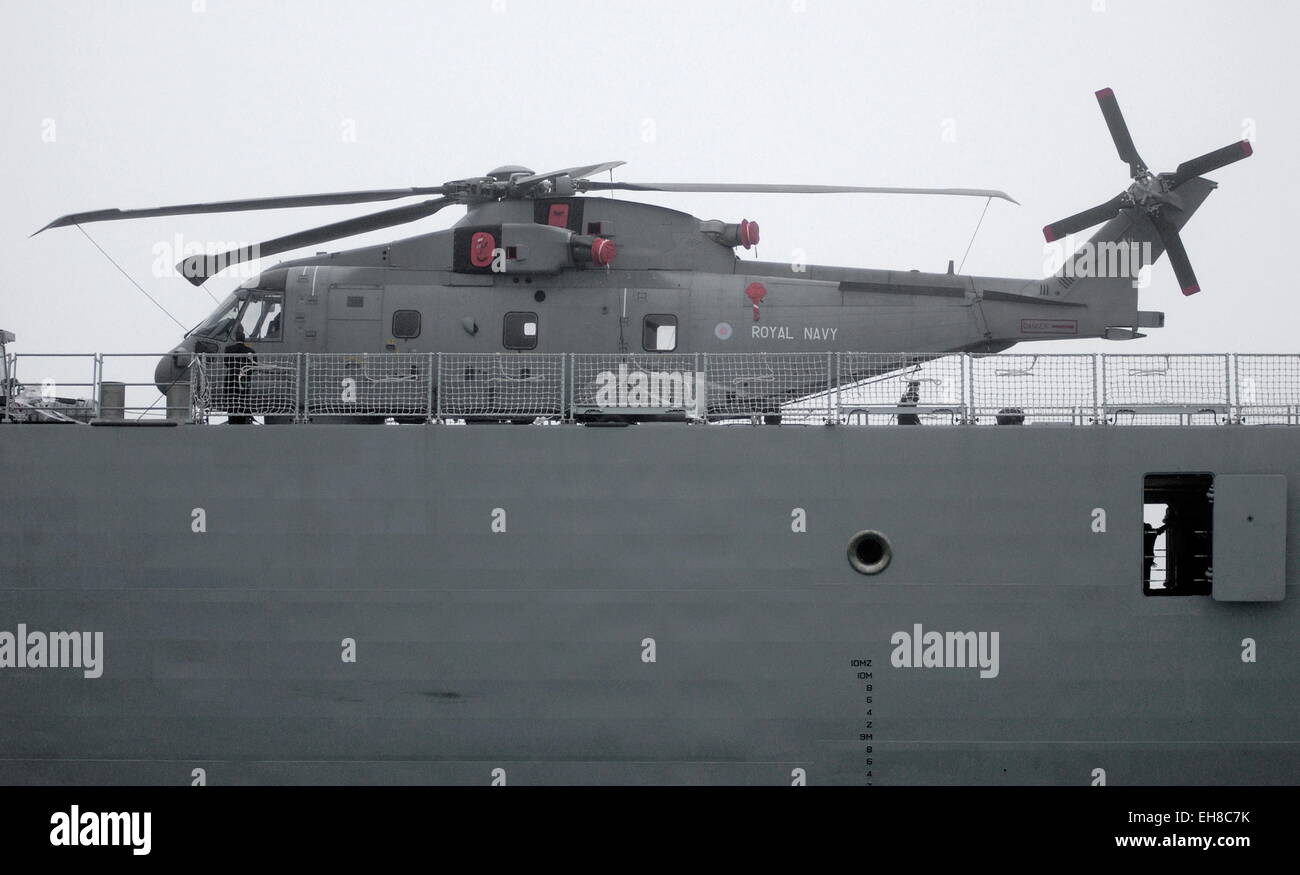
point(659, 603)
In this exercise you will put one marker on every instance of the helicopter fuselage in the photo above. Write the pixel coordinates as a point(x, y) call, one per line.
point(520, 276)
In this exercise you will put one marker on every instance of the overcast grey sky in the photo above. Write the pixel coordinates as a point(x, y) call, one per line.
point(110, 103)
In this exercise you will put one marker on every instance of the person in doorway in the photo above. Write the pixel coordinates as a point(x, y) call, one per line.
point(1149, 535)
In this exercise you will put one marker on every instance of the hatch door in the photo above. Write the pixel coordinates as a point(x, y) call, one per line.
point(1249, 538)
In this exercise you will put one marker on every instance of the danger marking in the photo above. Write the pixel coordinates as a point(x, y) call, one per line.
point(1049, 326)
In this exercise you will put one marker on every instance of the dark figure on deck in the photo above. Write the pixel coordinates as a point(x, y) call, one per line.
point(1149, 535)
point(910, 397)
point(240, 360)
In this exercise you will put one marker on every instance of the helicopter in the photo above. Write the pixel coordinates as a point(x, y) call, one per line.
point(536, 265)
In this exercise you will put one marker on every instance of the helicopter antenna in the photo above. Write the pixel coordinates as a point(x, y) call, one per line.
point(206, 290)
point(972, 236)
point(130, 279)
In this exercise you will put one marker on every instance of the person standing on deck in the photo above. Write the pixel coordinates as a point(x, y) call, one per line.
point(240, 359)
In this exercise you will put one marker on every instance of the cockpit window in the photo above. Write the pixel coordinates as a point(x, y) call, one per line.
point(218, 325)
point(262, 316)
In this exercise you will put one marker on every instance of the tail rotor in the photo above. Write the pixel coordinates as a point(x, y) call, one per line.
point(1155, 194)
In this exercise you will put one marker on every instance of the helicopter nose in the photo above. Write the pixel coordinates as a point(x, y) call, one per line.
point(172, 368)
point(164, 374)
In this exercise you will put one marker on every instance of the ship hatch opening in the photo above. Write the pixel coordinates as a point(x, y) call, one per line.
point(869, 552)
point(1177, 534)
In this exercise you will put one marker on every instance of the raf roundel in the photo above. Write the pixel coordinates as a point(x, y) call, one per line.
point(722, 331)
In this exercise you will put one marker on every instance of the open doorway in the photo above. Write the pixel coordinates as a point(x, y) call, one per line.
point(1177, 534)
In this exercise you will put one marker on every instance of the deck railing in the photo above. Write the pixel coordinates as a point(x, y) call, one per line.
point(823, 388)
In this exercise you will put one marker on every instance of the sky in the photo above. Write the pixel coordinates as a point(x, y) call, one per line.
point(138, 103)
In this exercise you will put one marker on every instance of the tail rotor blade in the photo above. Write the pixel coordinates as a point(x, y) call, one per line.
point(1119, 132)
point(1086, 219)
point(1178, 258)
point(1211, 161)
point(198, 268)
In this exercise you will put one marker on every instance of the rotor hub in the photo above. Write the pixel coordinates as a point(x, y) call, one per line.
point(507, 172)
point(1152, 192)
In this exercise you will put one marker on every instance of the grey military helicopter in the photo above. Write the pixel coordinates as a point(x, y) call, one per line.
point(535, 266)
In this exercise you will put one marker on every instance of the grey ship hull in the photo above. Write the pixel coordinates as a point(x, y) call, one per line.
point(523, 650)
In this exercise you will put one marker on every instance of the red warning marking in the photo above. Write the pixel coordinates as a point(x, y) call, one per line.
point(756, 292)
point(481, 246)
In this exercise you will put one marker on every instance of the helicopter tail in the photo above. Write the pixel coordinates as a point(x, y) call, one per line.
point(1112, 261)
point(1151, 211)
point(1108, 270)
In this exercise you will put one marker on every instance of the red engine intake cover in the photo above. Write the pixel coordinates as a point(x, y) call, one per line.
point(603, 252)
point(558, 215)
point(748, 233)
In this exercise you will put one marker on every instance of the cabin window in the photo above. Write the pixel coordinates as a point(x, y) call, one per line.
point(263, 316)
point(659, 333)
point(520, 331)
point(406, 324)
point(1177, 534)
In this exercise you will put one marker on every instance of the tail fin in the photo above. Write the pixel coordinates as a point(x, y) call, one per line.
point(1111, 260)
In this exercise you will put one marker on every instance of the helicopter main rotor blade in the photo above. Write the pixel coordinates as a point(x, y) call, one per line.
point(572, 172)
point(1211, 161)
point(746, 188)
point(1086, 219)
point(263, 203)
point(198, 268)
point(1128, 153)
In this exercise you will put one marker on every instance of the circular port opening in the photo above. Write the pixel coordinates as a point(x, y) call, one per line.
point(869, 552)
